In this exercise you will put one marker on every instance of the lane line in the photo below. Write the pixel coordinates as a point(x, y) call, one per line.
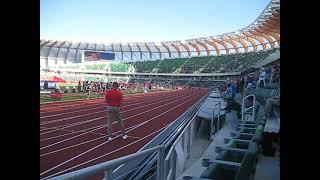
point(131, 127)
point(96, 112)
point(90, 120)
point(112, 123)
point(97, 100)
point(94, 158)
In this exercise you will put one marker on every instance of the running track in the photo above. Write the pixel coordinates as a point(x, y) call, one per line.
point(73, 134)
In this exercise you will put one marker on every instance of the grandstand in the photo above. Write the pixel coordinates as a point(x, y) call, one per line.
point(168, 135)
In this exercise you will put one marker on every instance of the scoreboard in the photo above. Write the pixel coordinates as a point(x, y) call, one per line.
point(98, 56)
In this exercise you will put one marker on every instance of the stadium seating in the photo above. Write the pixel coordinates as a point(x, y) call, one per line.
point(145, 66)
point(170, 65)
point(194, 64)
point(206, 64)
point(233, 163)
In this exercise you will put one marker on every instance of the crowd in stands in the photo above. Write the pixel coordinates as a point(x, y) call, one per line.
point(170, 65)
point(247, 82)
point(144, 66)
point(206, 64)
point(254, 78)
point(194, 64)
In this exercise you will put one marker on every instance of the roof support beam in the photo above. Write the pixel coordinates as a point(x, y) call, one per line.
point(130, 51)
point(112, 47)
point(232, 43)
point(167, 48)
point(140, 51)
point(239, 40)
point(160, 54)
point(268, 25)
point(249, 39)
point(186, 47)
point(223, 44)
point(273, 45)
point(273, 23)
point(275, 19)
point(43, 44)
point(59, 49)
point(75, 56)
point(177, 48)
point(121, 52)
point(264, 36)
point(149, 50)
point(196, 47)
point(267, 29)
point(68, 49)
point(249, 34)
point(205, 46)
point(276, 36)
point(214, 45)
point(87, 46)
point(47, 63)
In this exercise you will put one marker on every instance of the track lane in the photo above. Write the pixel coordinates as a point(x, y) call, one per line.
point(115, 145)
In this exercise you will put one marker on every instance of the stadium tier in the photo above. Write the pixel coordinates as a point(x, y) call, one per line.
point(195, 65)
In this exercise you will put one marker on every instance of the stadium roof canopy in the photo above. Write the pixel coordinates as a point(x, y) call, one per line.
point(262, 34)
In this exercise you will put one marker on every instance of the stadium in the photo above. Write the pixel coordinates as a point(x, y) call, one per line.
point(200, 108)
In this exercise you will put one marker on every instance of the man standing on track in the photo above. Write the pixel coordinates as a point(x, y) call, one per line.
point(113, 98)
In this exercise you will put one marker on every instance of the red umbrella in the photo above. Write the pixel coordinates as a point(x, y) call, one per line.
point(57, 79)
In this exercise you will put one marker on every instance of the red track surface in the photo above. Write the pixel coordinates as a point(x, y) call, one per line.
point(73, 134)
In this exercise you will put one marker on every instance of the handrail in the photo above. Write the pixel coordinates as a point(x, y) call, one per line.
point(179, 137)
point(212, 119)
point(110, 165)
point(166, 137)
point(243, 109)
point(185, 138)
point(170, 172)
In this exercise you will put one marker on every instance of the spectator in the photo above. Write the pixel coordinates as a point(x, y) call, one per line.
point(241, 85)
point(228, 97)
point(262, 78)
point(271, 102)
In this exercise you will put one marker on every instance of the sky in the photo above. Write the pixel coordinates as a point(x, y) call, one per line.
point(120, 21)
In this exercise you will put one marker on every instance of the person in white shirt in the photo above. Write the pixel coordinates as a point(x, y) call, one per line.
point(262, 78)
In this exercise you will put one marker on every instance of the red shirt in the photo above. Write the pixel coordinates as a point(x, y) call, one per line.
point(113, 97)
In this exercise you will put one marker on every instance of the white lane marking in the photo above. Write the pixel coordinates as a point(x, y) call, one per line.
point(82, 122)
point(102, 105)
point(131, 128)
point(96, 100)
point(97, 112)
point(94, 158)
point(95, 139)
point(112, 123)
point(83, 130)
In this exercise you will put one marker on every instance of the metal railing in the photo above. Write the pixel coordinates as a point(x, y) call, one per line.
point(244, 109)
point(166, 137)
point(109, 166)
point(185, 139)
point(218, 123)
